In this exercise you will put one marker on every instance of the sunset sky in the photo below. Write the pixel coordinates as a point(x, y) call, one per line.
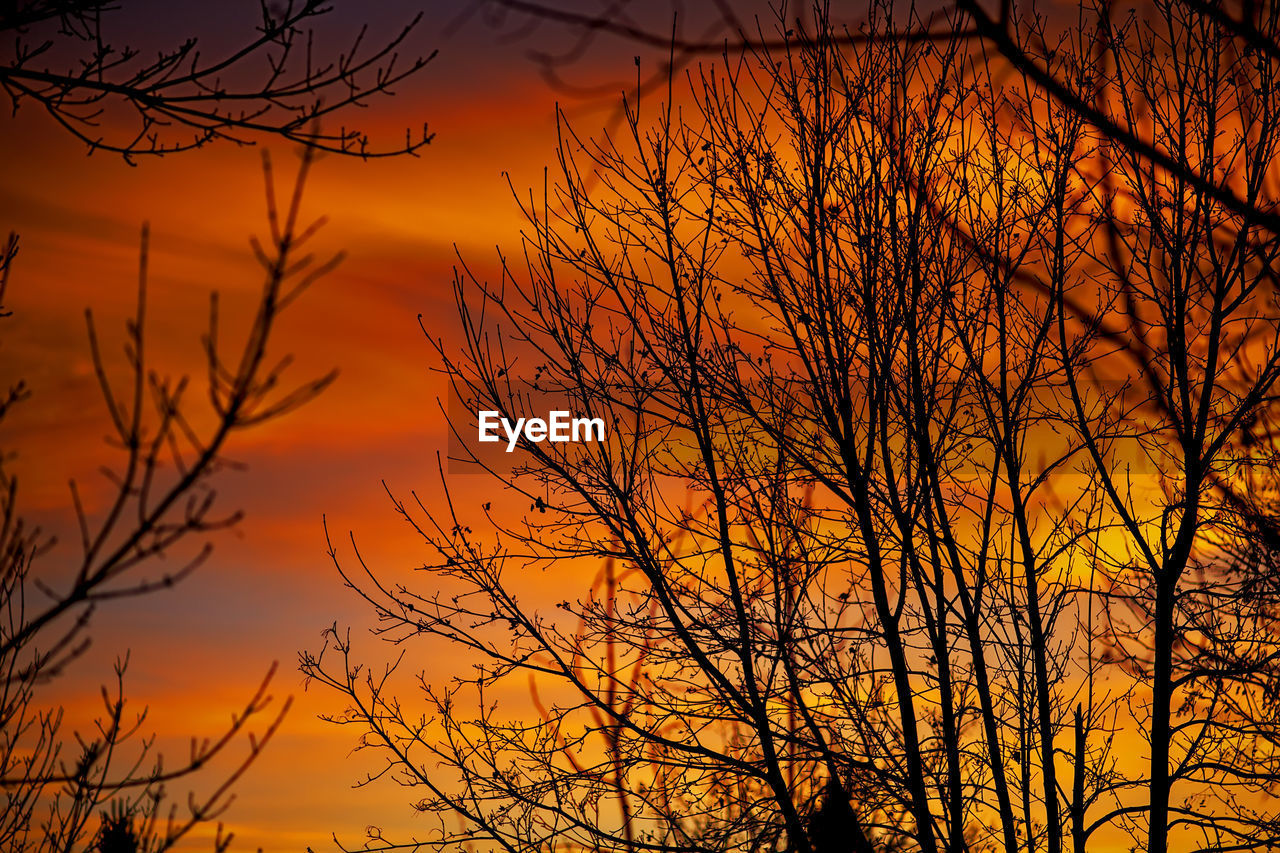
point(197, 652)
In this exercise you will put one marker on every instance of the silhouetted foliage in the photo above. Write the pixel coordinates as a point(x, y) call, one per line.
point(118, 833)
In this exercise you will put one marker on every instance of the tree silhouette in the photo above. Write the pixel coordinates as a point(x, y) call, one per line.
point(60, 57)
point(163, 498)
point(118, 833)
point(922, 511)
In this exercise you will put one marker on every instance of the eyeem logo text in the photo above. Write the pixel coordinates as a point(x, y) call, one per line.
point(558, 426)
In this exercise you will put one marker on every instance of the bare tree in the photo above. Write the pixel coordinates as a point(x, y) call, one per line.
point(921, 505)
point(107, 788)
point(92, 789)
point(61, 57)
point(1015, 32)
point(1188, 284)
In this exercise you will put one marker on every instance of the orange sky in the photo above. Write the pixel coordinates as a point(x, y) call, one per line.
point(198, 651)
